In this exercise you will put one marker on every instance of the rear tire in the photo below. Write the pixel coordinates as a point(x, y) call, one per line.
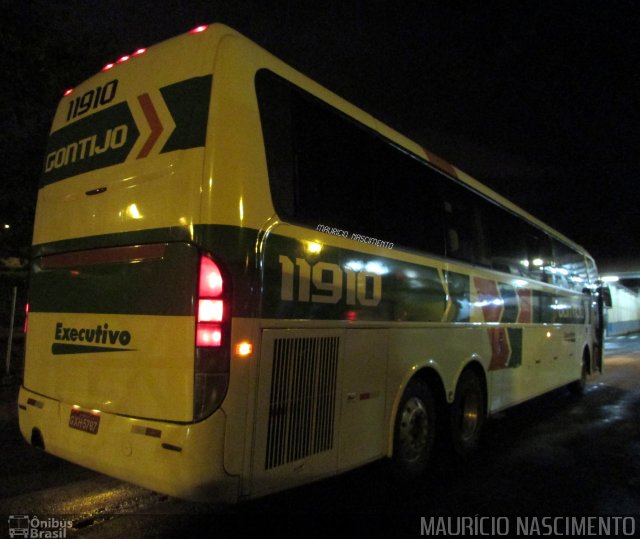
point(467, 414)
point(414, 432)
point(577, 388)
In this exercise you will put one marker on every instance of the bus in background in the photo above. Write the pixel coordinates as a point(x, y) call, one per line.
point(241, 282)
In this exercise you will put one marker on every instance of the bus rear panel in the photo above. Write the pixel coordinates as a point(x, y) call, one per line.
point(129, 329)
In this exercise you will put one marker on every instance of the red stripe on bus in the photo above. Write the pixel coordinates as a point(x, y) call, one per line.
point(524, 300)
point(109, 255)
point(440, 163)
point(154, 123)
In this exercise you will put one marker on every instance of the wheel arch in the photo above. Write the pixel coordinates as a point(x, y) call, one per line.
point(427, 374)
point(431, 375)
point(477, 369)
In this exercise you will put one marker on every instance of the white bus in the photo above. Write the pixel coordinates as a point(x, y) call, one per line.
point(241, 283)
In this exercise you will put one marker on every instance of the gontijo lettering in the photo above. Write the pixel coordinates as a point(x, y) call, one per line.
point(112, 139)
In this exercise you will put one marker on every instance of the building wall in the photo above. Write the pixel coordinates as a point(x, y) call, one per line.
point(624, 316)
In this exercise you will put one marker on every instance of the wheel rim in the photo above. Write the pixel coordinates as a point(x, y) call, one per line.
point(413, 434)
point(469, 415)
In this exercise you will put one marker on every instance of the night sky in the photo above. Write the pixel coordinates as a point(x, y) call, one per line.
point(538, 100)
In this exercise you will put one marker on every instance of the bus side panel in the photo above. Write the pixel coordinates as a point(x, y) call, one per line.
point(298, 408)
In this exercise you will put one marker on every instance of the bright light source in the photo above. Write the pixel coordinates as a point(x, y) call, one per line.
point(7, 226)
point(210, 310)
point(208, 335)
point(314, 247)
point(376, 267)
point(354, 265)
point(68, 92)
point(139, 52)
point(244, 349)
point(537, 262)
point(198, 29)
point(107, 67)
point(210, 278)
point(610, 279)
point(123, 59)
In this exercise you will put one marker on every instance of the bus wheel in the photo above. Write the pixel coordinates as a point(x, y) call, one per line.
point(578, 387)
point(414, 431)
point(467, 414)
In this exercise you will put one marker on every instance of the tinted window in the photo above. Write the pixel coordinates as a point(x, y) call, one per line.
point(327, 169)
point(570, 267)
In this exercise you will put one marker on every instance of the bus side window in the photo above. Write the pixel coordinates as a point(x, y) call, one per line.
point(571, 270)
point(464, 225)
point(540, 261)
point(507, 252)
point(275, 116)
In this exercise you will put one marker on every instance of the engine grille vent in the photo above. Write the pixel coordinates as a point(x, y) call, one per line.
point(303, 396)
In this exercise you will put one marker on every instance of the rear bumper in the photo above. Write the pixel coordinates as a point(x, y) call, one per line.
point(180, 460)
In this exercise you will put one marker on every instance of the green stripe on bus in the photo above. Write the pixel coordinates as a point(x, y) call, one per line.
point(155, 286)
point(515, 341)
point(100, 140)
point(106, 137)
point(288, 281)
point(188, 103)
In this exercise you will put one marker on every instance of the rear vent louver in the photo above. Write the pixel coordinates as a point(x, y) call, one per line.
point(303, 395)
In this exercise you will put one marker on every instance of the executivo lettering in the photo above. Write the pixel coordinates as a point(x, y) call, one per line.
point(71, 340)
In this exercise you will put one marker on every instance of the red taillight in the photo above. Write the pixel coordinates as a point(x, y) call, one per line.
point(26, 318)
point(208, 335)
point(213, 339)
point(210, 278)
point(210, 304)
point(210, 310)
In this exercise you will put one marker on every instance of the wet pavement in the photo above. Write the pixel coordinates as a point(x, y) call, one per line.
point(554, 455)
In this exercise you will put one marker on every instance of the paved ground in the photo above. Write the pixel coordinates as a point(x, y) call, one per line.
point(555, 455)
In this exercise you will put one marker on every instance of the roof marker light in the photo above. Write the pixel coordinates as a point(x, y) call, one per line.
point(68, 92)
point(139, 52)
point(198, 29)
point(107, 67)
point(123, 59)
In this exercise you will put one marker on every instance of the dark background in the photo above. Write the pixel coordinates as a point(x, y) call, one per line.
point(538, 100)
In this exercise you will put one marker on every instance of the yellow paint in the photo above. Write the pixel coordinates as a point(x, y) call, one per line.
point(154, 379)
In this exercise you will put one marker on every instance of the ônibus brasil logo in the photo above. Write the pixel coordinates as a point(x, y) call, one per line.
point(71, 340)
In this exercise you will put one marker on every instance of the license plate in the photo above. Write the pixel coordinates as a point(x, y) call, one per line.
point(85, 421)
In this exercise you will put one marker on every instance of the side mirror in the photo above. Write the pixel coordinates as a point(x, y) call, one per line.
point(605, 296)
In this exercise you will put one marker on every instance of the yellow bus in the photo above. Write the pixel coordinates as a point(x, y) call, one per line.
point(241, 282)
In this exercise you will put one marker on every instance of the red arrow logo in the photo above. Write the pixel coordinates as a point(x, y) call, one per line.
point(154, 123)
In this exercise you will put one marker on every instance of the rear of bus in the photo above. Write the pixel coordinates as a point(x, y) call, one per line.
point(131, 295)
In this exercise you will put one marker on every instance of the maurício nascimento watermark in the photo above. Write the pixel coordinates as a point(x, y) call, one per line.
point(476, 526)
point(28, 526)
point(358, 237)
